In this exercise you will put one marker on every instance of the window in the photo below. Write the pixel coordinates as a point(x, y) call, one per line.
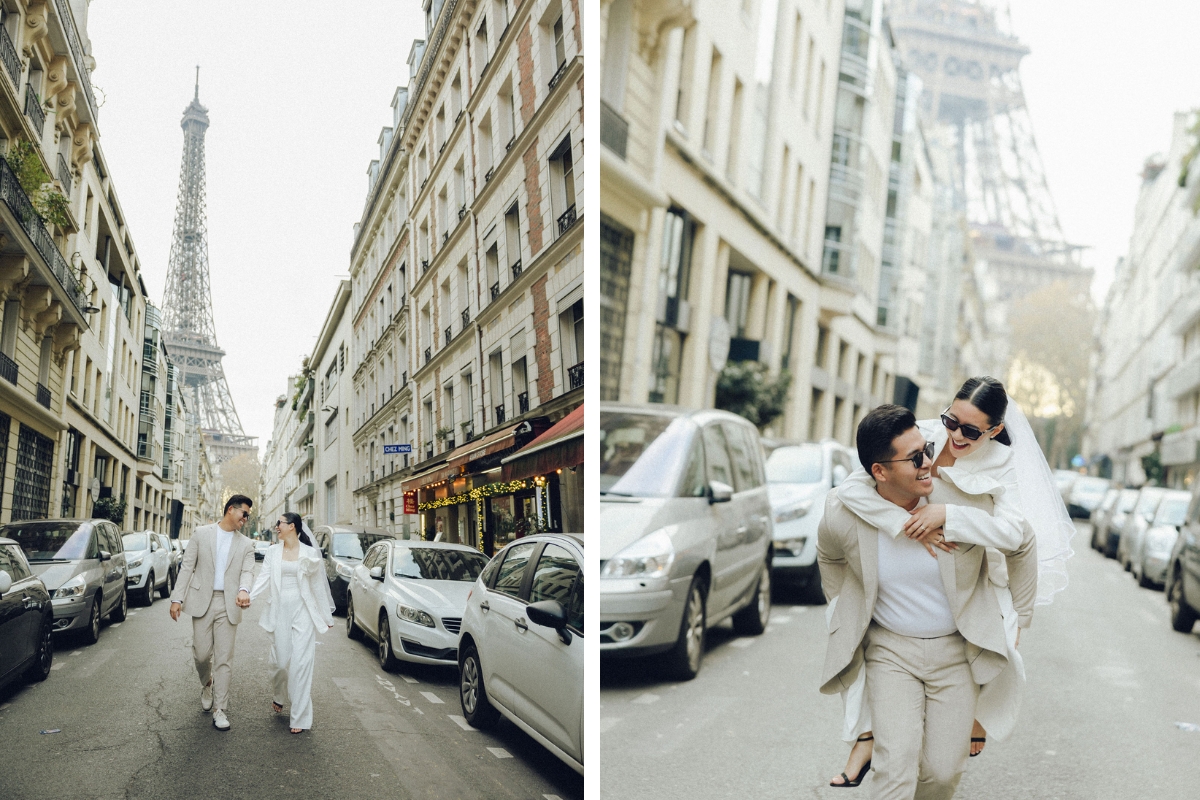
point(520, 386)
point(764, 68)
point(554, 576)
point(562, 185)
point(737, 302)
point(486, 147)
point(617, 46)
point(746, 470)
point(512, 570)
point(31, 485)
point(719, 467)
point(12, 563)
point(512, 240)
point(683, 93)
point(496, 382)
point(616, 260)
point(735, 133)
point(468, 399)
point(789, 331)
point(481, 46)
point(506, 122)
point(491, 262)
point(712, 109)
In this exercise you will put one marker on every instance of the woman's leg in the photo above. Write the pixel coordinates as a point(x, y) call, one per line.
point(300, 672)
point(978, 732)
point(280, 654)
point(860, 754)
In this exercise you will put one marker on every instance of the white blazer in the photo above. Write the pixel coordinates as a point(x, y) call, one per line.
point(314, 587)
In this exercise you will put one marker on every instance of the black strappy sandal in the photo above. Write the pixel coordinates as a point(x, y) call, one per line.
point(862, 773)
point(278, 709)
point(978, 739)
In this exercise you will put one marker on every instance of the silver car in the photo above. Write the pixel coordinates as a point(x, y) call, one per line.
point(685, 531)
point(82, 564)
point(1108, 535)
point(1136, 524)
point(148, 566)
point(1149, 562)
point(798, 478)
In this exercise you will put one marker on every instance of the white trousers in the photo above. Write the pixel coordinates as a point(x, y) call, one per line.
point(293, 651)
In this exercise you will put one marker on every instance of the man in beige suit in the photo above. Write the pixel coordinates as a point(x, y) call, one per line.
point(928, 631)
point(213, 587)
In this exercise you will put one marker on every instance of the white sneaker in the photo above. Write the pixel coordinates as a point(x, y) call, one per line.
point(206, 697)
point(220, 721)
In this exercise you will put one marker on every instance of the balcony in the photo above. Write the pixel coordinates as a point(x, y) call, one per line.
point(466, 318)
point(499, 413)
point(495, 290)
point(562, 70)
point(523, 402)
point(511, 142)
point(614, 130)
point(429, 450)
point(428, 354)
point(147, 415)
point(449, 335)
point(448, 444)
point(445, 236)
point(403, 379)
point(8, 54)
point(487, 176)
point(149, 358)
point(64, 174)
point(43, 396)
point(575, 375)
point(516, 269)
point(8, 369)
point(33, 109)
point(566, 220)
point(424, 265)
point(462, 212)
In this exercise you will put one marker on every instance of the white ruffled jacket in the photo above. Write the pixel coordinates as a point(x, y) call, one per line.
point(314, 587)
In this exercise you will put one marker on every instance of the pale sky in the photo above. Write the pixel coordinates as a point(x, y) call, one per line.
point(1102, 84)
point(297, 92)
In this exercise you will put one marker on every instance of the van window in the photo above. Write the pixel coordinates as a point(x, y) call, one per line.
point(694, 483)
point(715, 452)
point(739, 452)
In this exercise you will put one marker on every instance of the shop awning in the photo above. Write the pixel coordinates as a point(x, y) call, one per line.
point(559, 447)
point(450, 465)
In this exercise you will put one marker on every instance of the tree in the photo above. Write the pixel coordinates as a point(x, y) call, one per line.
point(241, 475)
point(110, 508)
point(746, 388)
point(1051, 335)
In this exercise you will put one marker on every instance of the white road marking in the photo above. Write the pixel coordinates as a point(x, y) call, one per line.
point(4, 706)
point(115, 625)
point(607, 723)
point(419, 711)
point(551, 797)
point(742, 643)
point(409, 680)
point(781, 620)
point(462, 722)
point(645, 699)
point(433, 698)
point(499, 752)
point(1051, 752)
point(77, 652)
point(58, 665)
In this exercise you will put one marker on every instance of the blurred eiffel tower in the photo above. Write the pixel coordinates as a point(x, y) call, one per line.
point(188, 328)
point(967, 57)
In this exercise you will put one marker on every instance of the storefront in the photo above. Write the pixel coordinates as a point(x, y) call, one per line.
point(554, 460)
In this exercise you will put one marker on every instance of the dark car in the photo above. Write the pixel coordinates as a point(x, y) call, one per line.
point(82, 564)
point(343, 547)
point(26, 619)
point(1183, 571)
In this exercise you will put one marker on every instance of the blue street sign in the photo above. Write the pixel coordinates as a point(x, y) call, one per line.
point(397, 448)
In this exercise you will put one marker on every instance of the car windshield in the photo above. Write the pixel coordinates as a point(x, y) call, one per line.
point(795, 464)
point(1090, 486)
point(1149, 502)
point(136, 541)
point(53, 541)
point(1128, 500)
point(435, 564)
point(1172, 511)
point(353, 545)
point(643, 455)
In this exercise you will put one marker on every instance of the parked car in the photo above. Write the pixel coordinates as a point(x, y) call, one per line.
point(1065, 479)
point(1137, 523)
point(685, 532)
point(1183, 571)
point(26, 619)
point(148, 566)
point(343, 547)
point(1103, 515)
point(261, 546)
point(1086, 495)
point(82, 564)
point(176, 558)
point(521, 650)
point(798, 478)
point(1149, 562)
point(409, 597)
point(1105, 539)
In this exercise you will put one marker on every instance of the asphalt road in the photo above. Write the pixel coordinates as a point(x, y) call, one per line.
point(131, 726)
point(1108, 680)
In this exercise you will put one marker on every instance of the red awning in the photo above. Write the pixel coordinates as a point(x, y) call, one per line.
point(558, 448)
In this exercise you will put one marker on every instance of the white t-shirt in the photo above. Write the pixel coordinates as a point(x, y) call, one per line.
point(224, 541)
point(912, 599)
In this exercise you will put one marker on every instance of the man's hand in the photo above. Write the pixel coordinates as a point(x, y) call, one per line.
point(925, 519)
point(243, 599)
point(935, 538)
point(176, 607)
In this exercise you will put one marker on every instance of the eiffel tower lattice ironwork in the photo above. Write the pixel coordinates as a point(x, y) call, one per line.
point(188, 328)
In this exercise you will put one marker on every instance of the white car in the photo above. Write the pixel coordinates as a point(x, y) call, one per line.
point(521, 650)
point(409, 597)
point(149, 565)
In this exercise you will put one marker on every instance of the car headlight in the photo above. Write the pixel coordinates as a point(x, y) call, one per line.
point(648, 557)
point(793, 545)
point(414, 615)
point(792, 512)
point(342, 569)
point(72, 588)
point(135, 564)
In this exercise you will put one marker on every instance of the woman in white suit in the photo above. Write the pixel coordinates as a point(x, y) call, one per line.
point(298, 607)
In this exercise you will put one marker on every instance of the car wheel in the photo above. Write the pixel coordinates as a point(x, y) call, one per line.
point(39, 670)
point(1183, 616)
point(478, 712)
point(91, 634)
point(167, 586)
point(148, 592)
point(752, 620)
point(119, 613)
point(683, 660)
point(387, 659)
point(352, 630)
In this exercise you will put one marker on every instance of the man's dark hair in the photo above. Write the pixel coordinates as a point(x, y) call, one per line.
point(237, 500)
point(878, 429)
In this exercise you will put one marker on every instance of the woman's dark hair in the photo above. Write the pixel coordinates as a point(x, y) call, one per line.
point(988, 395)
point(878, 429)
point(292, 518)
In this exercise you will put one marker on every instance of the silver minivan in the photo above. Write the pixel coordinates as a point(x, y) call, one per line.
point(82, 563)
point(685, 531)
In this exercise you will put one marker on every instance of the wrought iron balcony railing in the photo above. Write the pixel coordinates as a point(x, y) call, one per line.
point(516, 269)
point(64, 174)
point(566, 220)
point(487, 176)
point(466, 318)
point(562, 70)
point(445, 236)
point(424, 265)
point(429, 450)
point(8, 54)
point(8, 369)
point(522, 402)
point(449, 336)
point(149, 358)
point(428, 354)
point(575, 375)
point(462, 212)
point(499, 413)
point(511, 142)
point(34, 110)
point(495, 290)
point(43, 396)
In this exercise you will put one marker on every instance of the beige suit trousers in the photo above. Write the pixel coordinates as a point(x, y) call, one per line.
point(213, 638)
point(922, 703)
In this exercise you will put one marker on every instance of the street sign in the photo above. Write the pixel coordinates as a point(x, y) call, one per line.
point(410, 502)
point(397, 448)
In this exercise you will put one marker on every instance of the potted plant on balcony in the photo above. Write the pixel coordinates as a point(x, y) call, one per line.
point(47, 201)
point(441, 433)
point(467, 433)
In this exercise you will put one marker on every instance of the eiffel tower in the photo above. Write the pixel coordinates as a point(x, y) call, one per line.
point(188, 328)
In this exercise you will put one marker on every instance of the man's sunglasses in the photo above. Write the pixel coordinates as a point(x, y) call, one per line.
point(969, 431)
point(244, 513)
point(918, 458)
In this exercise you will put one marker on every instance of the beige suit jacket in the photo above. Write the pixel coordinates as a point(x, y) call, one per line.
point(848, 557)
point(194, 585)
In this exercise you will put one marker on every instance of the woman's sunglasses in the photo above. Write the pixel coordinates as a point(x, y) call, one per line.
point(917, 459)
point(969, 431)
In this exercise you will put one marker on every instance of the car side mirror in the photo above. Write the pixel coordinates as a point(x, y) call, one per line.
point(839, 474)
point(550, 614)
point(5, 582)
point(105, 555)
point(154, 547)
point(719, 492)
point(377, 573)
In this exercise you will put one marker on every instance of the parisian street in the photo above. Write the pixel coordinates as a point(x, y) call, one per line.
point(1108, 679)
point(131, 726)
